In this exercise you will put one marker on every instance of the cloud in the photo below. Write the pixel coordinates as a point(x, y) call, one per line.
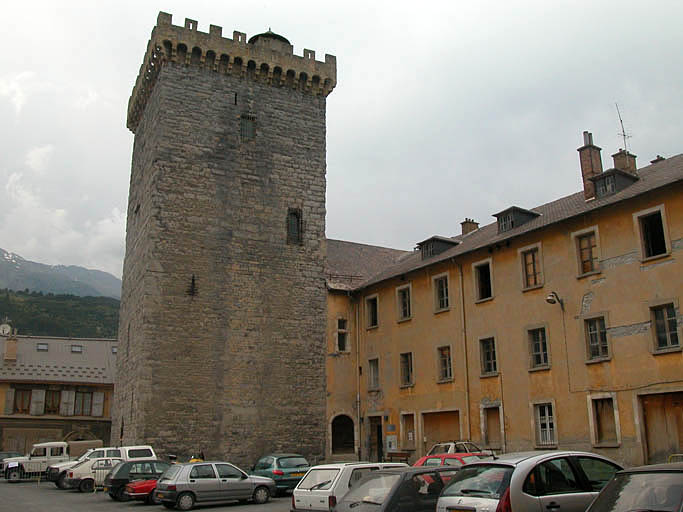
point(15, 88)
point(38, 158)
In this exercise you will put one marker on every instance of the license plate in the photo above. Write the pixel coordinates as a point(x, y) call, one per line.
point(106, 489)
point(296, 474)
point(159, 495)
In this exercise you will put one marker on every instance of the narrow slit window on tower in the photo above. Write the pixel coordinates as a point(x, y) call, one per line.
point(247, 127)
point(294, 227)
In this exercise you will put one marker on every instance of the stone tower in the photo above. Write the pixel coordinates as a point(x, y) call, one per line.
point(222, 322)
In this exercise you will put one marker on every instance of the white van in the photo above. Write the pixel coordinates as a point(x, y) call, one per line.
point(323, 486)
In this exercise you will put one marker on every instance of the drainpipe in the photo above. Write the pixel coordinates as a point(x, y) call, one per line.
point(356, 307)
point(464, 339)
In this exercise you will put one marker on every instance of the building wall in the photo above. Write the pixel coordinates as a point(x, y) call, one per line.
point(221, 341)
point(501, 405)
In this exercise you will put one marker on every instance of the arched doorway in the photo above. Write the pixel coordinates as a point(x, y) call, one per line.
point(342, 435)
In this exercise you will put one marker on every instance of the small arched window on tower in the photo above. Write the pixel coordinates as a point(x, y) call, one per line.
point(294, 226)
point(247, 127)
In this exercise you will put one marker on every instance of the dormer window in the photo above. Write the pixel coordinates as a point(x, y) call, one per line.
point(513, 217)
point(435, 245)
point(606, 186)
point(505, 223)
point(612, 181)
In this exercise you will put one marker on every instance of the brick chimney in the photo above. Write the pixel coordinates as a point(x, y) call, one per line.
point(624, 161)
point(468, 225)
point(659, 158)
point(591, 164)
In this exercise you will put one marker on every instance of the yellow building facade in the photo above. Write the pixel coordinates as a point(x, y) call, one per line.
point(557, 327)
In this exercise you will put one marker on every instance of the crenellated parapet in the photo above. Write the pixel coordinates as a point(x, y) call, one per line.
point(268, 58)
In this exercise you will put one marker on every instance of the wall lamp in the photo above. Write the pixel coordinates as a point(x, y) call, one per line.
point(554, 298)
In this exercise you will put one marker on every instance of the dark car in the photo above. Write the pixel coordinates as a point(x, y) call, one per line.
point(658, 487)
point(287, 469)
point(414, 489)
point(115, 482)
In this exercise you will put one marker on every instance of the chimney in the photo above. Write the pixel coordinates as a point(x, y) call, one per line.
point(659, 158)
point(624, 161)
point(591, 164)
point(468, 225)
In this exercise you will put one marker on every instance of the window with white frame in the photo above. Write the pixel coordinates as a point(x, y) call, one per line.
point(538, 348)
point(445, 365)
point(373, 374)
point(545, 425)
point(596, 338)
point(532, 273)
point(403, 299)
point(441, 299)
point(489, 364)
point(371, 311)
point(342, 335)
point(407, 369)
point(665, 326)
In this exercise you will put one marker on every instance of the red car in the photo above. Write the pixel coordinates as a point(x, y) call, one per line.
point(142, 490)
point(450, 459)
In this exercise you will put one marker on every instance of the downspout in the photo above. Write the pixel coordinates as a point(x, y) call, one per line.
point(464, 339)
point(356, 307)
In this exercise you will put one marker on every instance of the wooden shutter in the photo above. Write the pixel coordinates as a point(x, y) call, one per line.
point(37, 402)
point(97, 403)
point(66, 407)
point(9, 401)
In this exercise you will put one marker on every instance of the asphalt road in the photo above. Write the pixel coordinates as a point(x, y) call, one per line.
point(45, 497)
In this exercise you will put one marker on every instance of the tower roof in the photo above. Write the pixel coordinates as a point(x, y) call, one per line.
point(270, 35)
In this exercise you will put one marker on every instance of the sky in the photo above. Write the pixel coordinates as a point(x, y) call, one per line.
point(443, 110)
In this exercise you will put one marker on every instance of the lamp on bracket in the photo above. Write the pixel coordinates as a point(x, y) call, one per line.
point(554, 298)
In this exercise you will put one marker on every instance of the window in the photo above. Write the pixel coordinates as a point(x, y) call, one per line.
point(228, 471)
point(342, 335)
point(52, 400)
point(665, 326)
point(538, 348)
point(202, 471)
point(604, 421)
point(82, 403)
point(588, 257)
point(139, 453)
point(247, 127)
point(445, 368)
point(403, 298)
point(488, 356)
point(114, 453)
point(373, 374)
point(653, 237)
point(597, 471)
point(441, 301)
point(407, 369)
point(531, 268)
point(371, 312)
point(596, 336)
point(605, 186)
point(545, 425)
point(294, 227)
point(77, 349)
point(56, 451)
point(505, 222)
point(557, 476)
point(482, 276)
point(22, 401)
point(42, 347)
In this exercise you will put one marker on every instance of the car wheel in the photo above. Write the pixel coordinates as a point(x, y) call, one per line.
point(86, 485)
point(112, 496)
point(185, 501)
point(120, 494)
point(261, 495)
point(151, 500)
point(14, 475)
point(61, 480)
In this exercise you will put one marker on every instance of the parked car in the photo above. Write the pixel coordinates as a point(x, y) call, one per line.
point(658, 487)
point(115, 482)
point(43, 455)
point(143, 490)
point(450, 459)
point(57, 473)
point(563, 480)
point(89, 473)
point(454, 447)
point(323, 486)
point(183, 485)
point(286, 469)
point(414, 489)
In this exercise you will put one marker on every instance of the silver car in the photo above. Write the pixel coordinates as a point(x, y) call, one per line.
point(183, 485)
point(559, 481)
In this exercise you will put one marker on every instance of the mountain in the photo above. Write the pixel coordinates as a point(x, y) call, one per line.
point(16, 273)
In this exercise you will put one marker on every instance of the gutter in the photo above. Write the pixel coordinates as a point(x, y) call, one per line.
point(464, 340)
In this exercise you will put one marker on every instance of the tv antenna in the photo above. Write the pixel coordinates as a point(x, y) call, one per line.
point(623, 133)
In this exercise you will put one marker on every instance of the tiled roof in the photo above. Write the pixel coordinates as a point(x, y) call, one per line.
point(661, 174)
point(349, 263)
point(96, 364)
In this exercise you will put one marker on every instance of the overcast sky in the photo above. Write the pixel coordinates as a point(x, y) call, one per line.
point(443, 110)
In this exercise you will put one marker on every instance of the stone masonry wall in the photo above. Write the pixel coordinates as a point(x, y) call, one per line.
point(236, 365)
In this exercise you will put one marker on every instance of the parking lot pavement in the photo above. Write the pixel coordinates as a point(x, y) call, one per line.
point(32, 496)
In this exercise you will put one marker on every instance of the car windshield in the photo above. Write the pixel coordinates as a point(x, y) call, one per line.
point(292, 462)
point(121, 471)
point(318, 479)
point(489, 481)
point(468, 459)
point(171, 472)
point(84, 456)
point(374, 489)
point(658, 491)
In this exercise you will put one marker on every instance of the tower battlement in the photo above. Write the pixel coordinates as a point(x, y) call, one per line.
point(267, 57)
